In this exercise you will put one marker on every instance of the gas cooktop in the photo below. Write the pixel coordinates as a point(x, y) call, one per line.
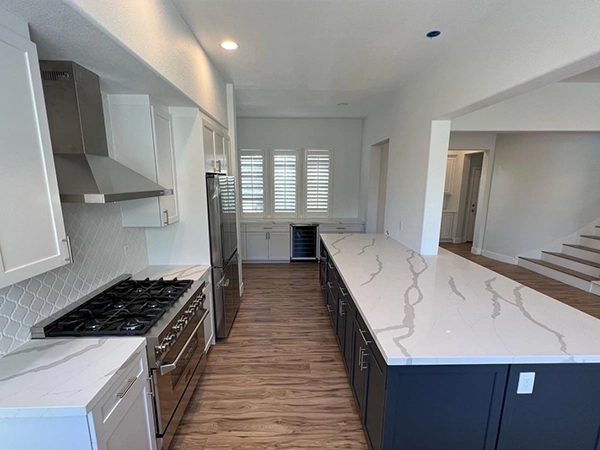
point(129, 308)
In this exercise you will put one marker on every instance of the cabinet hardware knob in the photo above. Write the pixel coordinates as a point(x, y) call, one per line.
point(166, 216)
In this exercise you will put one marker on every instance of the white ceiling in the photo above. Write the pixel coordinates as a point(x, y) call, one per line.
point(302, 57)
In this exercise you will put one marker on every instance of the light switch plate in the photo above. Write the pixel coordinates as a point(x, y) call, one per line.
point(526, 381)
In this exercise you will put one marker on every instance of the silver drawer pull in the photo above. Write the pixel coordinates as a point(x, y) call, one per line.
point(343, 291)
point(329, 308)
point(341, 307)
point(362, 333)
point(129, 384)
point(330, 285)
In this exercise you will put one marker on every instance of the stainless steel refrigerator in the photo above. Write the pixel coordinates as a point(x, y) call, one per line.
point(223, 248)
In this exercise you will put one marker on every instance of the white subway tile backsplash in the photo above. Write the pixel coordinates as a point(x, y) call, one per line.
point(98, 241)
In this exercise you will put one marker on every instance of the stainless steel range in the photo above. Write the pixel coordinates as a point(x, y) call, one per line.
point(170, 314)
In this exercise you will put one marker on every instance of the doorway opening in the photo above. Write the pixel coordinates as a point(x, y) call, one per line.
point(461, 196)
point(378, 171)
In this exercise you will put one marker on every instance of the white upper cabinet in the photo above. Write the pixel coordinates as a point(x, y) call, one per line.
point(32, 232)
point(140, 134)
point(216, 143)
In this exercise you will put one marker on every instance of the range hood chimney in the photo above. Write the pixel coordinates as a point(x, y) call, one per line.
point(84, 170)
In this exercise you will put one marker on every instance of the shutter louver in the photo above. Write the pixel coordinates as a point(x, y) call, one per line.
point(252, 182)
point(318, 166)
point(284, 183)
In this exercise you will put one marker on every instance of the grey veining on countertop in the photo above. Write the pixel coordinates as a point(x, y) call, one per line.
point(62, 377)
point(445, 309)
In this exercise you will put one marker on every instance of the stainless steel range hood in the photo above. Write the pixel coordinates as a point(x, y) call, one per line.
point(84, 170)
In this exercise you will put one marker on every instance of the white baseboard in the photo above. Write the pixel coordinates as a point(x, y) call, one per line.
point(499, 257)
point(476, 251)
point(459, 240)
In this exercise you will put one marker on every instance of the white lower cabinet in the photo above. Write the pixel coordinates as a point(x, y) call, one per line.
point(272, 245)
point(257, 246)
point(32, 232)
point(133, 432)
point(279, 245)
point(123, 418)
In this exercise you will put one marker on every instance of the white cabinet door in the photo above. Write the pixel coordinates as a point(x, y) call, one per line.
point(142, 139)
point(165, 163)
point(31, 229)
point(209, 149)
point(136, 430)
point(279, 246)
point(257, 246)
point(221, 163)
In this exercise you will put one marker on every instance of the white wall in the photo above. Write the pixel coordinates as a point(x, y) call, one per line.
point(342, 136)
point(556, 107)
point(521, 47)
point(186, 241)
point(154, 32)
point(545, 186)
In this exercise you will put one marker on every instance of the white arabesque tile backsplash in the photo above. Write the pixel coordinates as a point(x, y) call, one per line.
point(102, 250)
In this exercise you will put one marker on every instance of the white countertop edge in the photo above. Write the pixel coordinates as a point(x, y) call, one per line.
point(491, 360)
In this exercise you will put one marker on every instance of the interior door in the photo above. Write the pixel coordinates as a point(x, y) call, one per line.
point(32, 230)
point(473, 195)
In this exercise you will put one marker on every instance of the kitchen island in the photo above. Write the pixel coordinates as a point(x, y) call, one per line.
point(443, 353)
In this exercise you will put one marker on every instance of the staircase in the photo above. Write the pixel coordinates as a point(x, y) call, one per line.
point(578, 265)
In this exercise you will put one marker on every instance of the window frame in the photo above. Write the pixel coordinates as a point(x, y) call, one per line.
point(307, 213)
point(265, 212)
point(296, 153)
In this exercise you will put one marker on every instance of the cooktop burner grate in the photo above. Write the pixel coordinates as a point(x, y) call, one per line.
point(130, 308)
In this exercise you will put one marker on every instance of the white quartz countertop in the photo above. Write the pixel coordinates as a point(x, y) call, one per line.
point(62, 377)
point(446, 309)
point(169, 272)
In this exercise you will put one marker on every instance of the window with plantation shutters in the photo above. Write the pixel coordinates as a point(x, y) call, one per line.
point(252, 181)
point(318, 180)
point(285, 182)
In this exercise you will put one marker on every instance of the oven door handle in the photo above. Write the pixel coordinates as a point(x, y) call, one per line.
point(166, 368)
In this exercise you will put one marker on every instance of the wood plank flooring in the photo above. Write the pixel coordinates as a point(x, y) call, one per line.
point(278, 382)
point(584, 301)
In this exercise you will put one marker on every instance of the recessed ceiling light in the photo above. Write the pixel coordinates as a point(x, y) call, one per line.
point(433, 34)
point(343, 104)
point(230, 45)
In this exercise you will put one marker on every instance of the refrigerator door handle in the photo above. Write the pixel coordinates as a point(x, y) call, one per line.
point(221, 282)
